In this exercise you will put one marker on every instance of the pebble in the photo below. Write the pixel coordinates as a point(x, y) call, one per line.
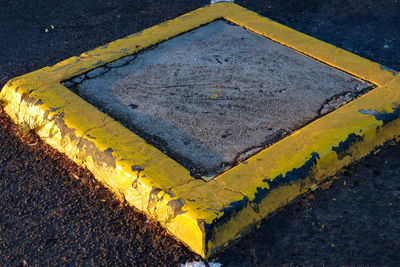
point(117, 63)
point(129, 58)
point(340, 100)
point(96, 72)
point(120, 62)
point(208, 177)
point(325, 110)
point(336, 103)
point(78, 79)
point(68, 84)
point(348, 97)
point(363, 86)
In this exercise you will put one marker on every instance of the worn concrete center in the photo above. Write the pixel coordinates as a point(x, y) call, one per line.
point(217, 94)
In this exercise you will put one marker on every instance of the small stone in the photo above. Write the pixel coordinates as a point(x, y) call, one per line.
point(336, 103)
point(129, 58)
point(117, 63)
point(120, 62)
point(96, 72)
point(348, 97)
point(208, 177)
point(314, 187)
point(325, 110)
point(68, 84)
point(78, 79)
point(363, 87)
point(341, 102)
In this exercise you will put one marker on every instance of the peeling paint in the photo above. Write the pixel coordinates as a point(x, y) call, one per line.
point(176, 205)
point(68, 65)
point(98, 63)
point(46, 114)
point(137, 168)
point(383, 116)
point(343, 148)
point(54, 109)
point(85, 146)
point(91, 137)
point(64, 129)
point(204, 233)
point(153, 195)
point(227, 214)
point(291, 176)
point(392, 71)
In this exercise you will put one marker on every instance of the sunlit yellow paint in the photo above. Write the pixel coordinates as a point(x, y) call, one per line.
point(310, 46)
point(150, 181)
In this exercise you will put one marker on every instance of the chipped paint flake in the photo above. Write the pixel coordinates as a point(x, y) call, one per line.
point(383, 116)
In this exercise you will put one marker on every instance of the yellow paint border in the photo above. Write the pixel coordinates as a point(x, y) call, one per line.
point(206, 215)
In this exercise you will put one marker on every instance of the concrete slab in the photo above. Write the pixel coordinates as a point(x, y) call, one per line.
point(216, 95)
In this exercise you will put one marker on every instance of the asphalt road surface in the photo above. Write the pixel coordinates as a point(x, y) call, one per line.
point(53, 212)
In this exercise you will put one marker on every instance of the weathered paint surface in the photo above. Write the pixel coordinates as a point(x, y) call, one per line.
point(206, 215)
point(383, 116)
point(343, 148)
point(291, 176)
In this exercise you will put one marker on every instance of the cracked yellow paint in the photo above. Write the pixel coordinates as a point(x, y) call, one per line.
point(206, 215)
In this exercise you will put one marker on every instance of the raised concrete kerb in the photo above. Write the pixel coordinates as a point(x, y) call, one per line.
point(206, 215)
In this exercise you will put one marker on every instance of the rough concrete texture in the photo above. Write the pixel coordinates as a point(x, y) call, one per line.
point(214, 94)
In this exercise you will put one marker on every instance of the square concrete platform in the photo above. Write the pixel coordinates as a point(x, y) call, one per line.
point(198, 97)
point(216, 95)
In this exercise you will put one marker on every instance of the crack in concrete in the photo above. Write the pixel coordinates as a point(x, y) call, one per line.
point(96, 127)
point(338, 100)
point(249, 203)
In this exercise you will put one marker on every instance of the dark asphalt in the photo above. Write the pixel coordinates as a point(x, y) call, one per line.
point(49, 217)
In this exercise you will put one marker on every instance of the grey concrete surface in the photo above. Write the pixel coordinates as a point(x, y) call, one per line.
point(216, 95)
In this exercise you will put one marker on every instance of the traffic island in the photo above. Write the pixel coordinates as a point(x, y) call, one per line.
point(210, 122)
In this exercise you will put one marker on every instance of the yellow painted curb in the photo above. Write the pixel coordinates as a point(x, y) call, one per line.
point(206, 215)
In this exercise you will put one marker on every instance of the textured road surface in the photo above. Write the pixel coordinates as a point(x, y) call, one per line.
point(52, 212)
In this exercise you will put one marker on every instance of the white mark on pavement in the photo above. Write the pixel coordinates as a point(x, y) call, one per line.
point(217, 1)
point(201, 264)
